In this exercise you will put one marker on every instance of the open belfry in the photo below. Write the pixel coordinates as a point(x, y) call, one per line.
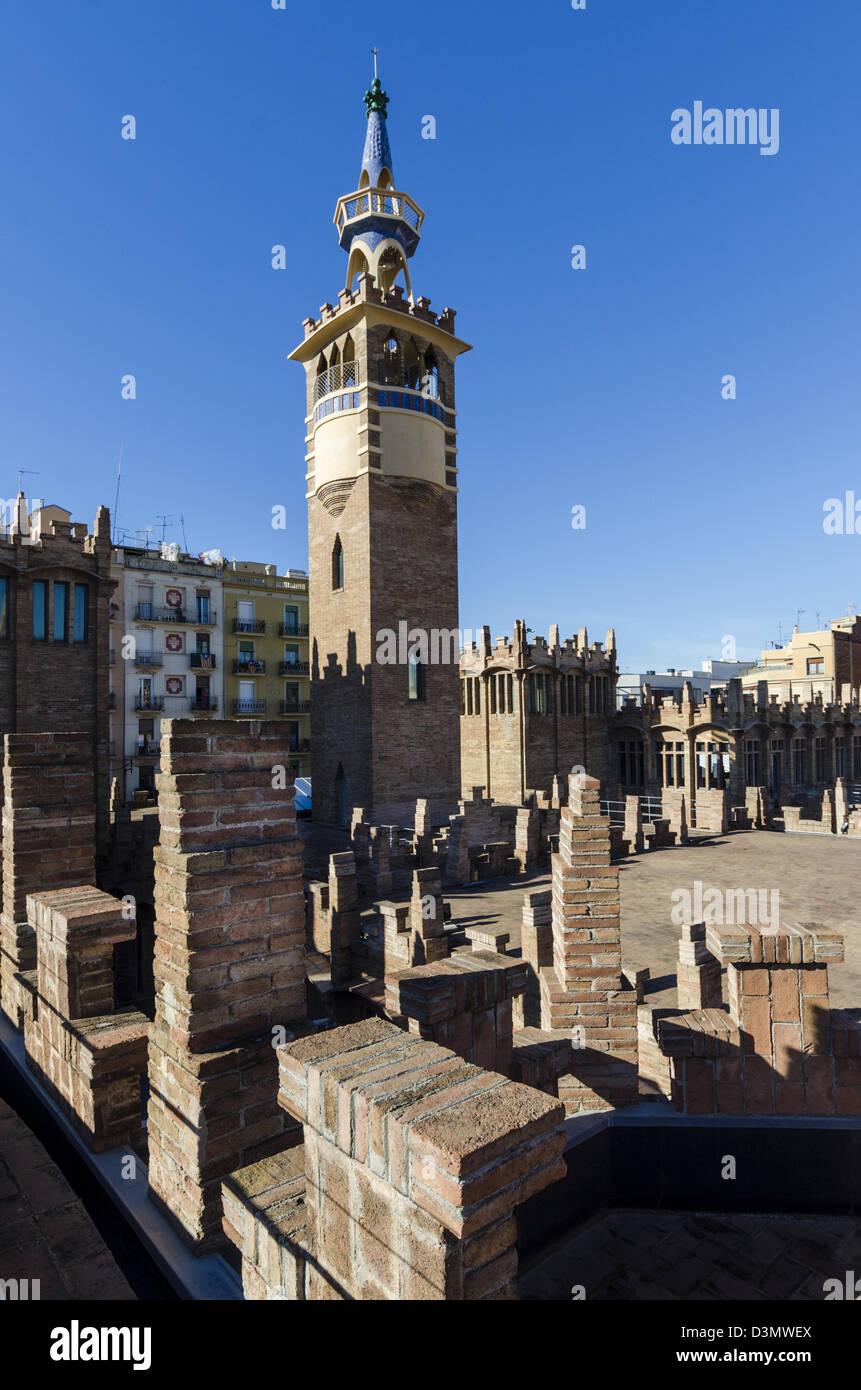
point(400, 1047)
point(382, 477)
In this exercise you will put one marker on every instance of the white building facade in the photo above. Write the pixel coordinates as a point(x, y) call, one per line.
point(167, 655)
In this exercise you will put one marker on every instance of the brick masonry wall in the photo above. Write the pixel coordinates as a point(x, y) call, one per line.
point(60, 686)
point(229, 961)
point(415, 1163)
point(49, 838)
point(776, 1050)
point(584, 991)
point(89, 1058)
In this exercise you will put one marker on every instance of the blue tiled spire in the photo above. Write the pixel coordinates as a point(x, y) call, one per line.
point(378, 151)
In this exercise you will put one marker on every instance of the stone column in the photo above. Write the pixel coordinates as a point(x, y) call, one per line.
point(344, 916)
point(229, 961)
point(536, 949)
point(584, 989)
point(634, 825)
point(49, 839)
point(698, 972)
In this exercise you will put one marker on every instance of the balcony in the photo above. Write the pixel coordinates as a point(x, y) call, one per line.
point(344, 376)
point(202, 661)
point(284, 630)
point(385, 210)
point(249, 706)
point(148, 659)
point(198, 705)
point(294, 668)
point(295, 706)
point(148, 613)
point(250, 667)
point(254, 627)
point(144, 703)
point(146, 750)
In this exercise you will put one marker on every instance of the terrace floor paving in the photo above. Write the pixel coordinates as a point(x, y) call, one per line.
point(45, 1232)
point(633, 1255)
point(818, 878)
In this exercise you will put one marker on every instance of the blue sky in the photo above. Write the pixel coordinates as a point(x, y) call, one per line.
point(599, 387)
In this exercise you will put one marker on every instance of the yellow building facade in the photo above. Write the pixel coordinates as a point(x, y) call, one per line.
point(266, 658)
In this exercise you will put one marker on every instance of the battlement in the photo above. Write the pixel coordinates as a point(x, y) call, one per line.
point(366, 292)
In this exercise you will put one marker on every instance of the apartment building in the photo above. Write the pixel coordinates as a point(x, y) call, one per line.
point(825, 663)
point(266, 650)
point(167, 654)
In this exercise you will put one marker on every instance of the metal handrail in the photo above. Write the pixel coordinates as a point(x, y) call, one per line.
point(343, 376)
point(380, 202)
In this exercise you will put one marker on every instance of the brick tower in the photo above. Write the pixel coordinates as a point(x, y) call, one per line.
point(382, 517)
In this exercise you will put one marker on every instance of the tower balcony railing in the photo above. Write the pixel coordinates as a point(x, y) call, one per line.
point(342, 376)
point(378, 202)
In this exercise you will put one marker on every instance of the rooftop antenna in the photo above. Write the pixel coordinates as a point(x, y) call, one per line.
point(184, 541)
point(798, 613)
point(117, 496)
point(164, 519)
point(21, 472)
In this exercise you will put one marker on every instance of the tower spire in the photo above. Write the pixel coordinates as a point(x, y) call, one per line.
point(377, 155)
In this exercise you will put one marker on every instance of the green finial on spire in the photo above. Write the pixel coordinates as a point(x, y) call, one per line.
point(376, 99)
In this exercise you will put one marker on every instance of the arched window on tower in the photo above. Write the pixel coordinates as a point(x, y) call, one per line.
point(391, 366)
point(390, 265)
point(341, 799)
point(430, 385)
point(350, 378)
point(412, 366)
point(321, 385)
point(337, 564)
point(416, 671)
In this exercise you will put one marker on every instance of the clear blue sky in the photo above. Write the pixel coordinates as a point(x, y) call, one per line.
point(599, 387)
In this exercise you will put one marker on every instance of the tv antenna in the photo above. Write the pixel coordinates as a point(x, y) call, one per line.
point(117, 495)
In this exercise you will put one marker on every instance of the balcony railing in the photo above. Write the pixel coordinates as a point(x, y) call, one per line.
point(295, 706)
point(202, 661)
point(344, 376)
point(249, 706)
point(249, 625)
point(251, 667)
point(285, 630)
point(148, 659)
point(149, 613)
point(148, 702)
point(378, 202)
point(294, 668)
point(198, 705)
point(146, 750)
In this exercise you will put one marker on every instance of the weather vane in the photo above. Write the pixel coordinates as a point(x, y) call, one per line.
point(376, 53)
